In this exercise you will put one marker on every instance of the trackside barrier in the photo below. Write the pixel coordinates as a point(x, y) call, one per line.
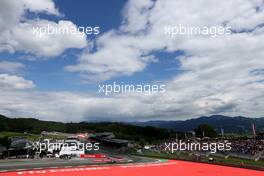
point(92, 156)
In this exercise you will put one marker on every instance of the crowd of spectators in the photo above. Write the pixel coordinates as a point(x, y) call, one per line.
point(248, 146)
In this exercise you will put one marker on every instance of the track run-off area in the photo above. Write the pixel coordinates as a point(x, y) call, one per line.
point(160, 168)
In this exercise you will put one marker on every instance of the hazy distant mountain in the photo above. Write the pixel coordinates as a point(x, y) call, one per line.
point(240, 125)
point(229, 124)
point(2, 117)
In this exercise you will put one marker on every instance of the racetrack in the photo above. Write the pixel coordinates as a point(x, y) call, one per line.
point(160, 168)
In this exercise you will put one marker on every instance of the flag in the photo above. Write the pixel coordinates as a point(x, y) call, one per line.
point(254, 129)
point(222, 132)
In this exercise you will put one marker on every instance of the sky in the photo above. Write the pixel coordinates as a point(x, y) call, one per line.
point(56, 77)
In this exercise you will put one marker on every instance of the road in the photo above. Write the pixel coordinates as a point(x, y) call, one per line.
point(26, 164)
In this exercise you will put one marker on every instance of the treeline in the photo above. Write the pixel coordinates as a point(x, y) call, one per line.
point(121, 130)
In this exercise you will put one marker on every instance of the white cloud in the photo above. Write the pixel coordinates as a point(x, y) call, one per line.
point(10, 67)
point(142, 32)
point(222, 75)
point(218, 72)
point(67, 106)
point(13, 82)
point(26, 37)
point(17, 34)
point(115, 57)
point(46, 6)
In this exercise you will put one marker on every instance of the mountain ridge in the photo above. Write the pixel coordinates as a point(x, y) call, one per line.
point(237, 124)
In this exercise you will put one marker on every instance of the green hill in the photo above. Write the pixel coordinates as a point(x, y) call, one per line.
point(121, 130)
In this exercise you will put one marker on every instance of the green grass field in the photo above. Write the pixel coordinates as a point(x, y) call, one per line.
point(217, 160)
point(32, 137)
point(14, 134)
point(239, 161)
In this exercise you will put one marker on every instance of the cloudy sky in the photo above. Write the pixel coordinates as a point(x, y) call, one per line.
point(56, 77)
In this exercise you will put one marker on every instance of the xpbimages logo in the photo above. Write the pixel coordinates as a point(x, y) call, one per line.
point(47, 145)
point(146, 89)
point(190, 30)
point(65, 30)
point(197, 146)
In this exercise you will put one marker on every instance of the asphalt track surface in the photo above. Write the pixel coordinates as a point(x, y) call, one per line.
point(27, 164)
point(158, 168)
point(10, 165)
point(43, 163)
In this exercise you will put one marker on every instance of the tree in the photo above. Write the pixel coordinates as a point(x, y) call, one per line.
point(5, 141)
point(3, 126)
point(205, 130)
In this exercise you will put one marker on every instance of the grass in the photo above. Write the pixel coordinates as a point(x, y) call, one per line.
point(246, 162)
point(218, 160)
point(14, 134)
point(32, 137)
